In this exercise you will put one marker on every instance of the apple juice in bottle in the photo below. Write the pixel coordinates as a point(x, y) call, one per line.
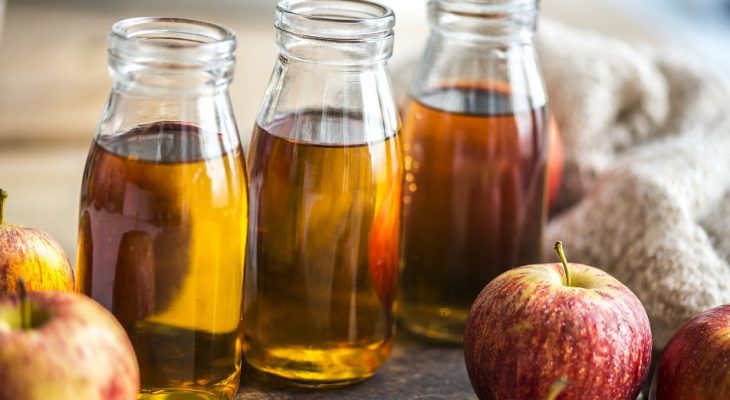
point(474, 136)
point(325, 171)
point(163, 219)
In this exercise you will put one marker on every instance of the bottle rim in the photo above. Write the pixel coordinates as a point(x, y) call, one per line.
point(486, 7)
point(336, 20)
point(172, 40)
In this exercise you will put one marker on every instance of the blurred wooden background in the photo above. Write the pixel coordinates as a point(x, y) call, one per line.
point(54, 83)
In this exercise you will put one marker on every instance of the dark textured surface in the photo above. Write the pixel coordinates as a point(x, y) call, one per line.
point(416, 370)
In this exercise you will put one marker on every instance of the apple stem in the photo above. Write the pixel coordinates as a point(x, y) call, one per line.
point(561, 255)
point(25, 315)
point(557, 388)
point(3, 196)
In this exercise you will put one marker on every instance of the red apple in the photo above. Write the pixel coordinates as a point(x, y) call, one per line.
point(695, 364)
point(58, 345)
point(33, 256)
point(536, 324)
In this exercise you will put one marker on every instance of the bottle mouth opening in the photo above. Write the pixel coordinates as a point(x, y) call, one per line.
point(174, 40)
point(485, 7)
point(339, 20)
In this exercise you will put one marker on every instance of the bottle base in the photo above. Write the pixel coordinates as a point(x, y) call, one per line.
point(183, 394)
point(438, 324)
point(318, 368)
point(274, 377)
point(224, 390)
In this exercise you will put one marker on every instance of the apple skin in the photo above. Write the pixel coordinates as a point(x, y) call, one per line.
point(527, 329)
point(80, 352)
point(695, 364)
point(34, 256)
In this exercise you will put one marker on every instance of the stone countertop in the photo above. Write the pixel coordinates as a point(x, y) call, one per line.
point(415, 370)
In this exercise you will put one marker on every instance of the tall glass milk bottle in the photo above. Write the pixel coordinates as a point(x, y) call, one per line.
point(474, 136)
point(163, 218)
point(326, 171)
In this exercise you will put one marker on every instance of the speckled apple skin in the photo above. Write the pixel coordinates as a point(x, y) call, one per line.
point(527, 329)
point(695, 365)
point(80, 353)
point(34, 256)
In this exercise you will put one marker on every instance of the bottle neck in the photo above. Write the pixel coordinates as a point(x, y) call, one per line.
point(131, 78)
point(330, 84)
point(475, 48)
point(329, 104)
point(170, 55)
point(136, 73)
point(170, 77)
point(469, 24)
point(342, 54)
point(346, 33)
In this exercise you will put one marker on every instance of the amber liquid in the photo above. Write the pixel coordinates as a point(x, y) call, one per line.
point(474, 200)
point(323, 254)
point(161, 244)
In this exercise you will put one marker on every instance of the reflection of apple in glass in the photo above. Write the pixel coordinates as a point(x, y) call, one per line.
point(32, 255)
point(535, 325)
point(56, 345)
point(555, 162)
point(695, 364)
point(383, 245)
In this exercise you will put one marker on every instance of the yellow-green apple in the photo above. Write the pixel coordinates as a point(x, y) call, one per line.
point(695, 364)
point(536, 324)
point(62, 346)
point(33, 256)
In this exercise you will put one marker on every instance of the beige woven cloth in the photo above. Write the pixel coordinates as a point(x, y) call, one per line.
point(646, 194)
point(646, 188)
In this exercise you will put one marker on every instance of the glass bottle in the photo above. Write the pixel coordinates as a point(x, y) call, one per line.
point(163, 218)
point(474, 136)
point(325, 171)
